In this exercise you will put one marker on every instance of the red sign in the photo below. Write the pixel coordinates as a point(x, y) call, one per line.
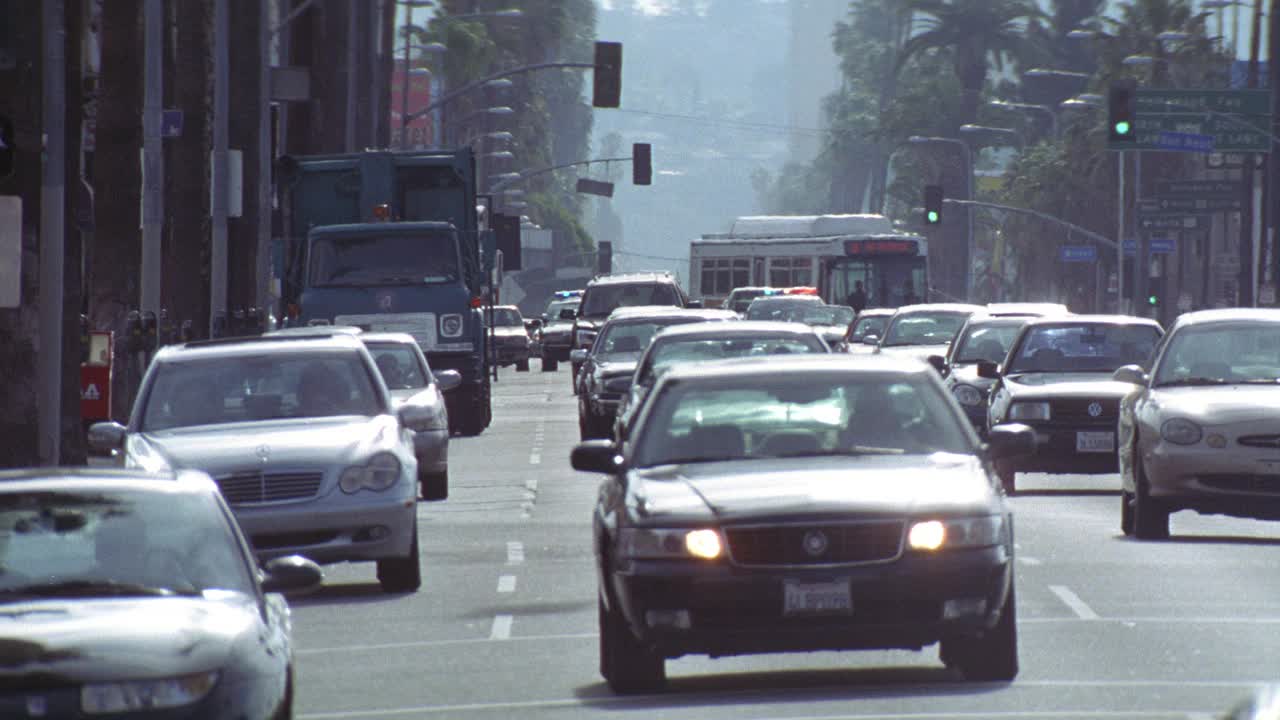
point(881, 247)
point(419, 97)
point(95, 379)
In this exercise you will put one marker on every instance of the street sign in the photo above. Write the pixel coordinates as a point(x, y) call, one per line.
point(1187, 205)
point(171, 124)
point(1078, 253)
point(1184, 142)
point(1173, 222)
point(1156, 246)
point(1231, 102)
point(1230, 134)
point(1235, 160)
point(1236, 120)
point(595, 187)
point(1199, 188)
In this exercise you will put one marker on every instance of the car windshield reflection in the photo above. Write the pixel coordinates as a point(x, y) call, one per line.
point(1218, 355)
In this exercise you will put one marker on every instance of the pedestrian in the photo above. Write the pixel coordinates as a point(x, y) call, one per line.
point(858, 298)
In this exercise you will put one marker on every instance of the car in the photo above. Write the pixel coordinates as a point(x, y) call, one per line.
point(607, 293)
point(980, 338)
point(607, 367)
point(706, 342)
point(510, 336)
point(740, 298)
point(134, 595)
point(865, 330)
point(303, 438)
point(1027, 309)
point(780, 308)
point(831, 321)
point(411, 381)
point(918, 331)
point(555, 337)
point(813, 502)
point(1057, 378)
point(1199, 431)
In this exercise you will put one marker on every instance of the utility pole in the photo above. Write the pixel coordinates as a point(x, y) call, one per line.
point(1273, 192)
point(353, 61)
point(218, 205)
point(152, 154)
point(1249, 225)
point(262, 278)
point(52, 241)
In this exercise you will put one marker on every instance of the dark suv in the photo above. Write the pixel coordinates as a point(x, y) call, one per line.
point(607, 293)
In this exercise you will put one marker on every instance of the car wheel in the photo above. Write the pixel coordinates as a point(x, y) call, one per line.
point(285, 711)
point(403, 574)
point(993, 657)
point(522, 365)
point(435, 486)
point(550, 364)
point(585, 429)
point(628, 667)
point(1126, 512)
point(1150, 516)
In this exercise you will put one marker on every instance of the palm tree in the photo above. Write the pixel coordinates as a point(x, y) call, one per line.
point(1049, 35)
point(976, 32)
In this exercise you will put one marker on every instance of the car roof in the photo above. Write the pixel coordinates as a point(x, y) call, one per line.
point(940, 307)
point(313, 331)
point(506, 307)
point(1092, 319)
point(797, 298)
point(636, 277)
point(1200, 317)
point(651, 311)
point(999, 320)
point(741, 328)
point(388, 337)
point(1019, 309)
point(258, 344)
point(877, 312)
point(59, 478)
point(775, 365)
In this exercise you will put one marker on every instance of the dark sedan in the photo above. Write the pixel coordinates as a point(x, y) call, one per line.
point(980, 339)
point(1057, 379)
point(136, 596)
point(815, 502)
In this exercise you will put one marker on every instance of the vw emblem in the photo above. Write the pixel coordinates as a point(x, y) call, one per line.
point(1095, 409)
point(815, 543)
point(37, 706)
point(263, 452)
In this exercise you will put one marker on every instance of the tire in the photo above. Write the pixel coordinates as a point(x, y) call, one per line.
point(474, 411)
point(522, 365)
point(550, 364)
point(993, 657)
point(628, 667)
point(435, 486)
point(1150, 516)
point(402, 575)
point(285, 711)
point(1126, 512)
point(1006, 475)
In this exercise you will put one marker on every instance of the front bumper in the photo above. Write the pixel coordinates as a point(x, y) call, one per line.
point(1235, 480)
point(1058, 449)
point(431, 448)
point(334, 527)
point(733, 611)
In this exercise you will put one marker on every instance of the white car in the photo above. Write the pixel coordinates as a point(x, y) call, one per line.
point(303, 438)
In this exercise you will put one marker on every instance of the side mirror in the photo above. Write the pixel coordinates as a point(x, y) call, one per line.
point(415, 417)
point(694, 305)
point(620, 385)
point(291, 574)
point(939, 363)
point(448, 379)
point(1010, 440)
point(870, 339)
point(597, 456)
point(578, 356)
point(1132, 374)
point(988, 370)
point(568, 314)
point(106, 437)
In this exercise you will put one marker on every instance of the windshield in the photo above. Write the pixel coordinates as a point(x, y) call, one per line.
point(667, 353)
point(989, 342)
point(1083, 347)
point(788, 310)
point(797, 415)
point(507, 317)
point(186, 393)
point(924, 328)
point(828, 315)
point(398, 365)
point(873, 325)
point(360, 260)
point(117, 542)
point(600, 300)
point(630, 338)
point(1222, 353)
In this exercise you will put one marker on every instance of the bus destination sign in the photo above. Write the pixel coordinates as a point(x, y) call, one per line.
point(880, 247)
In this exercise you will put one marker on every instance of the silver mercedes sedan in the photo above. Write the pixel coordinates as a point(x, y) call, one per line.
point(1201, 430)
point(302, 437)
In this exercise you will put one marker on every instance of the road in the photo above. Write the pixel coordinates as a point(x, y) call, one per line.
point(505, 625)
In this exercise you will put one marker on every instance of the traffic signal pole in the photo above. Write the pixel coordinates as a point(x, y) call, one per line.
point(52, 241)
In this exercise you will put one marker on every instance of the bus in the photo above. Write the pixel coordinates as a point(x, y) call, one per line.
point(829, 252)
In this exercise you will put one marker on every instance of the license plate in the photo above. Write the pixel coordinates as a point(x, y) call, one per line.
point(1095, 442)
point(817, 598)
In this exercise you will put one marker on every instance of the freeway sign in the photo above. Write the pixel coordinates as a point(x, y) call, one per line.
point(1156, 246)
point(1173, 222)
point(1184, 142)
point(1238, 133)
point(1078, 253)
point(1237, 120)
point(1178, 205)
point(1230, 102)
point(1200, 188)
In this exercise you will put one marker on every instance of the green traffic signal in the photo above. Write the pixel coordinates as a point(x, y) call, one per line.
point(1153, 300)
point(1123, 128)
point(932, 217)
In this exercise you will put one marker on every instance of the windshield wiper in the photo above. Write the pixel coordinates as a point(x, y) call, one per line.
point(1192, 382)
point(94, 588)
point(855, 451)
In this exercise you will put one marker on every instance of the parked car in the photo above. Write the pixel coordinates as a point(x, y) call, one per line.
point(707, 342)
point(607, 293)
point(918, 331)
point(1057, 378)
point(411, 381)
point(510, 337)
point(800, 504)
point(130, 594)
point(1200, 430)
point(302, 437)
point(607, 367)
point(980, 338)
point(555, 337)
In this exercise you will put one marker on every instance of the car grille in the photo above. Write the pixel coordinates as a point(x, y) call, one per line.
point(1077, 409)
point(1269, 484)
point(245, 488)
point(868, 541)
point(1262, 441)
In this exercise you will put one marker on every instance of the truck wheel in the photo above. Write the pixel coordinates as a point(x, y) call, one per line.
point(522, 365)
point(474, 412)
point(550, 364)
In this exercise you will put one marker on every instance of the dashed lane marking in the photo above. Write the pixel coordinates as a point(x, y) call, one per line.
point(501, 627)
point(515, 552)
point(1029, 560)
point(507, 583)
point(1073, 601)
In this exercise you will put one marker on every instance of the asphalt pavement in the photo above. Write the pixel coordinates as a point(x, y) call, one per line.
point(505, 623)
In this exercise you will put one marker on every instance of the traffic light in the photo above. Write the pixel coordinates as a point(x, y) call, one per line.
point(8, 153)
point(932, 204)
point(1155, 291)
point(604, 257)
point(641, 164)
point(1122, 111)
point(606, 80)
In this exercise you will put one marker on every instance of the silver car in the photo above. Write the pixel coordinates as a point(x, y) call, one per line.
point(412, 382)
point(302, 437)
point(1200, 431)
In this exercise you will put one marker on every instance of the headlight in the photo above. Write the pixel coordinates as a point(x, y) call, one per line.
point(970, 532)
point(1029, 411)
point(670, 544)
point(1181, 431)
point(135, 695)
point(967, 394)
point(584, 338)
point(381, 472)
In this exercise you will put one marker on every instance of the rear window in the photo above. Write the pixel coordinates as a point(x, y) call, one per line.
point(601, 300)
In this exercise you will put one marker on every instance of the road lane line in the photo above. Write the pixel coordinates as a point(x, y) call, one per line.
point(507, 583)
point(1029, 560)
point(515, 552)
point(1073, 601)
point(501, 627)
point(535, 458)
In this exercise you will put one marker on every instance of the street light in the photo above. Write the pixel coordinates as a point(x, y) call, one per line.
point(499, 154)
point(1030, 107)
point(970, 129)
point(1050, 72)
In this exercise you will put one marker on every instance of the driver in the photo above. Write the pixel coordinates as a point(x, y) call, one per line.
point(321, 391)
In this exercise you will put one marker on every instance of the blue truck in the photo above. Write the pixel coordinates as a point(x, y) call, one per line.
point(391, 242)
